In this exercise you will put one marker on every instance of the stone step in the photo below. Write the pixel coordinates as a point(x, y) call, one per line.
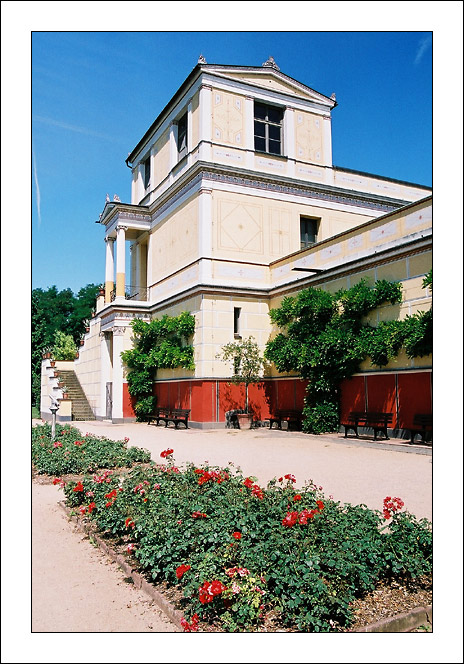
point(81, 409)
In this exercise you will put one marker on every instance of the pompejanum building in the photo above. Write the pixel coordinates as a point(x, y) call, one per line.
point(235, 204)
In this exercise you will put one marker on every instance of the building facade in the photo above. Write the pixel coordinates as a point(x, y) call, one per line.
point(235, 203)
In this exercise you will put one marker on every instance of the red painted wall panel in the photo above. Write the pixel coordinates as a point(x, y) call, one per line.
point(203, 400)
point(231, 397)
point(127, 402)
point(381, 395)
point(285, 390)
point(202, 396)
point(353, 396)
point(414, 396)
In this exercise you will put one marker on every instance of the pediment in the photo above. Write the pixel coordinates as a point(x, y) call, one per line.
point(271, 79)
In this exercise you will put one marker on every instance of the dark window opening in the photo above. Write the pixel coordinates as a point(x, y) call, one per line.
point(308, 231)
point(268, 128)
point(182, 136)
point(237, 311)
point(146, 173)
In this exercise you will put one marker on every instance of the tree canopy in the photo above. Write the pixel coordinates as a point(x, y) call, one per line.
point(325, 337)
point(51, 311)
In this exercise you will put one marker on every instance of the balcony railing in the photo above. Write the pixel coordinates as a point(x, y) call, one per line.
point(133, 293)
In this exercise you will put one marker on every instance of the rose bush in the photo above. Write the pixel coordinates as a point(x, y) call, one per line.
point(71, 452)
point(238, 550)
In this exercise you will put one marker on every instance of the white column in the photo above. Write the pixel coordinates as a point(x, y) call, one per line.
point(121, 261)
point(205, 234)
point(172, 145)
point(105, 371)
point(134, 200)
point(289, 140)
point(250, 132)
point(118, 375)
point(205, 108)
point(137, 256)
point(149, 264)
point(109, 269)
point(140, 184)
point(327, 138)
point(189, 133)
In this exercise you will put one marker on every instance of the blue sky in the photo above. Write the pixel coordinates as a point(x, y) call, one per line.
point(94, 94)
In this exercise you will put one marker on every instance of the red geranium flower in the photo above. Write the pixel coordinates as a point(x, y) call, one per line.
point(248, 483)
point(79, 487)
point(166, 453)
point(237, 535)
point(320, 504)
point(296, 497)
point(190, 627)
point(57, 480)
point(199, 515)
point(129, 523)
point(290, 477)
point(180, 571)
point(290, 519)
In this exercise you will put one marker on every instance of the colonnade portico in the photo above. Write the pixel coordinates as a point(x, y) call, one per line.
point(120, 263)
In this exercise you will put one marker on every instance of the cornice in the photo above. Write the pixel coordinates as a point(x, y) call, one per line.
point(202, 170)
point(416, 246)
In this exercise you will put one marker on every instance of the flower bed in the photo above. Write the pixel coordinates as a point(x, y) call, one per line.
point(71, 452)
point(239, 552)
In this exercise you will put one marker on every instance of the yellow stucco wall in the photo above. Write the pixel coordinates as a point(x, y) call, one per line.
point(87, 367)
point(161, 168)
point(195, 121)
point(228, 111)
point(260, 229)
point(174, 241)
point(309, 137)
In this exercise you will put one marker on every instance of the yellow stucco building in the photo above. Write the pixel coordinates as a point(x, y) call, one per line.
point(235, 203)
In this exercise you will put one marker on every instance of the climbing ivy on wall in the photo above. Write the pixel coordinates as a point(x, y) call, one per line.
point(325, 337)
point(160, 344)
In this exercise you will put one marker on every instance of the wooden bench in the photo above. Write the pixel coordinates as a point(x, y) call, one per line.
point(175, 415)
point(159, 414)
point(372, 420)
point(179, 415)
point(422, 425)
point(290, 416)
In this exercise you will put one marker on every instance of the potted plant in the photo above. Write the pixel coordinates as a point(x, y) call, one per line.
point(65, 392)
point(52, 362)
point(247, 364)
point(47, 353)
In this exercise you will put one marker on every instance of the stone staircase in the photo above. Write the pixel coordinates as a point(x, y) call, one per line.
point(81, 410)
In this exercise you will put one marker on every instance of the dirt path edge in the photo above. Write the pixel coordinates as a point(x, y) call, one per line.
point(139, 582)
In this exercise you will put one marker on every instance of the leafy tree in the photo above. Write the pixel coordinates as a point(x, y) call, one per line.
point(160, 344)
point(53, 310)
point(84, 303)
point(326, 336)
point(38, 342)
point(64, 348)
point(246, 360)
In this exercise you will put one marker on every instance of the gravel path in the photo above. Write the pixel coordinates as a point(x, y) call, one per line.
point(353, 471)
point(74, 586)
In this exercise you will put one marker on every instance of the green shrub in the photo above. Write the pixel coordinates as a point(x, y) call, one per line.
point(238, 550)
point(71, 452)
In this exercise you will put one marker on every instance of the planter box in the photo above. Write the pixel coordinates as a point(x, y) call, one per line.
point(245, 420)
